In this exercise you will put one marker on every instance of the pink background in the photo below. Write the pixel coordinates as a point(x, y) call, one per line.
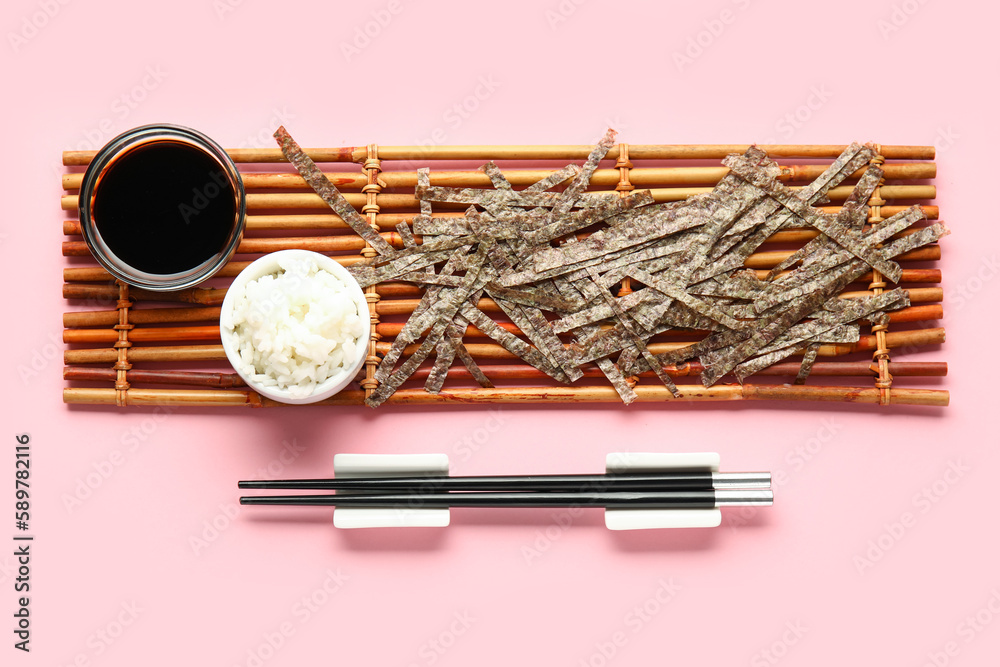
point(783, 585)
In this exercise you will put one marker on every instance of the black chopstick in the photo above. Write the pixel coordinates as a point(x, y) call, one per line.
point(665, 481)
point(680, 499)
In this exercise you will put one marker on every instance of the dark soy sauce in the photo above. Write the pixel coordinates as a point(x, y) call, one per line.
point(164, 207)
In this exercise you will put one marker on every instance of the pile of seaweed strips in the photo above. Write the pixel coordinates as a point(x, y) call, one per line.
point(519, 247)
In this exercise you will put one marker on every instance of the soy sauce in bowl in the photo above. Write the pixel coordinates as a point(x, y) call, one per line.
point(162, 207)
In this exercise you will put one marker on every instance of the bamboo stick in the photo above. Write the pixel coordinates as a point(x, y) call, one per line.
point(478, 350)
point(802, 236)
point(512, 372)
point(315, 243)
point(871, 395)
point(758, 260)
point(230, 270)
point(387, 220)
point(214, 297)
point(94, 274)
point(866, 343)
point(311, 200)
point(164, 397)
point(142, 354)
point(487, 305)
point(409, 290)
point(389, 330)
point(142, 316)
point(330, 220)
point(384, 329)
point(252, 246)
point(180, 315)
point(208, 314)
point(345, 243)
point(549, 152)
point(931, 212)
point(190, 378)
point(916, 294)
point(792, 235)
point(523, 395)
point(691, 369)
point(205, 296)
point(638, 176)
point(765, 260)
point(144, 335)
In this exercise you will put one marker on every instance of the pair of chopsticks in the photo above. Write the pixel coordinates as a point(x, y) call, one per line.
point(673, 490)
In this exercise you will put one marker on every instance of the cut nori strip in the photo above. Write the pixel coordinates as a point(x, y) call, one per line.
point(808, 359)
point(318, 181)
point(474, 369)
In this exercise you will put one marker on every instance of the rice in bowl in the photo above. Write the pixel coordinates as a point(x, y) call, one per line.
point(296, 327)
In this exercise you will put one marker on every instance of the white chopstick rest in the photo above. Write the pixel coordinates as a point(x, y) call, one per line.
point(390, 465)
point(623, 462)
point(632, 519)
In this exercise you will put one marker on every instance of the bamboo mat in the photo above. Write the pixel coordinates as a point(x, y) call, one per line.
point(133, 347)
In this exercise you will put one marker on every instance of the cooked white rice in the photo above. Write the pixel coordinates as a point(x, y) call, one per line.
point(296, 328)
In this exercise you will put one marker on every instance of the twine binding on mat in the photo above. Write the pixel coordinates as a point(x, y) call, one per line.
point(880, 358)
point(122, 345)
point(624, 188)
point(372, 167)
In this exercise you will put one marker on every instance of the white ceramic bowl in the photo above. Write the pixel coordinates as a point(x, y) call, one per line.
point(269, 264)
